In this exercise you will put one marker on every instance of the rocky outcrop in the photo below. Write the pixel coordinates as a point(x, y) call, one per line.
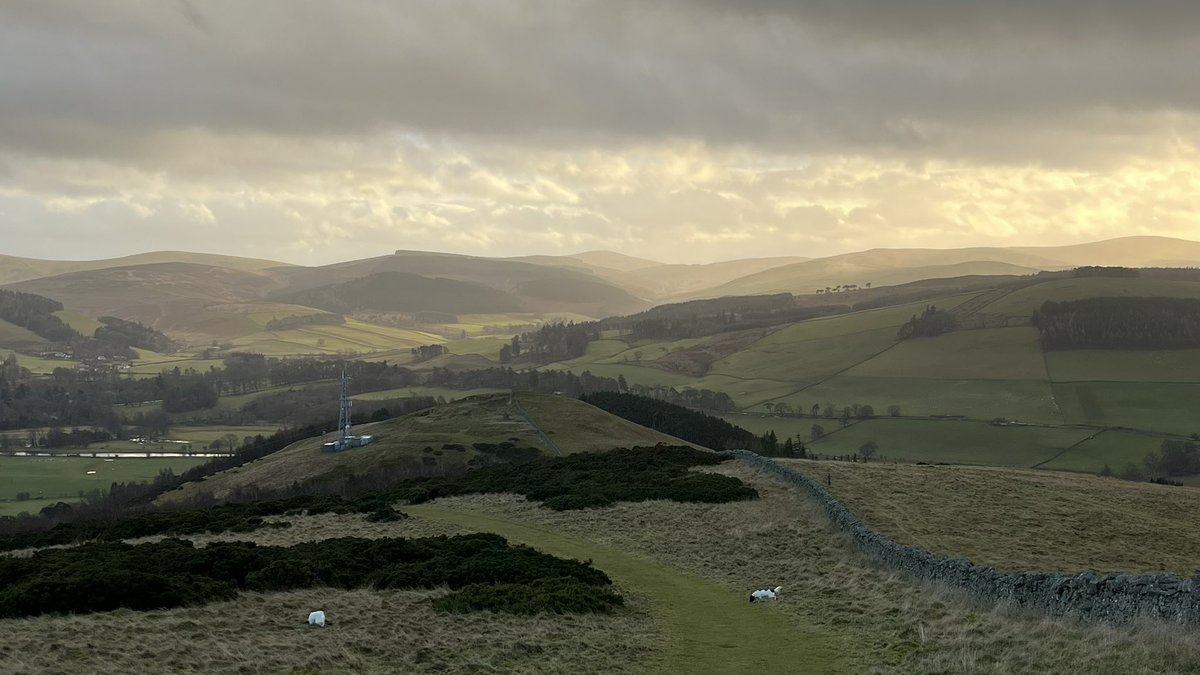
point(1116, 598)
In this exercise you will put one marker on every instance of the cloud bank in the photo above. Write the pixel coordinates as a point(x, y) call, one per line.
point(679, 130)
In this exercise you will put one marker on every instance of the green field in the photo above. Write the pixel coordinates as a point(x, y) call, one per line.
point(956, 442)
point(1109, 447)
point(16, 336)
point(353, 336)
point(404, 392)
point(1099, 365)
point(1025, 400)
point(1023, 302)
point(991, 354)
point(38, 365)
point(84, 324)
point(65, 477)
point(1169, 407)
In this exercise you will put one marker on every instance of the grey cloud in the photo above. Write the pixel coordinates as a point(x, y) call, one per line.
point(994, 80)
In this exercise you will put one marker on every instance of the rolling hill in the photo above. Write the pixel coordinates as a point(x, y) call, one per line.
point(14, 269)
point(881, 267)
point(420, 441)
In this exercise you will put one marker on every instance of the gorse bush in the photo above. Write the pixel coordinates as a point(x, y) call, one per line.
point(223, 518)
point(171, 573)
point(555, 596)
point(587, 480)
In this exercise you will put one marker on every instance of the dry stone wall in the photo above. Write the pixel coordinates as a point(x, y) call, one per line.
point(1116, 598)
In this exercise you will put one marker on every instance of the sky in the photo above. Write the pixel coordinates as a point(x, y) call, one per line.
point(678, 130)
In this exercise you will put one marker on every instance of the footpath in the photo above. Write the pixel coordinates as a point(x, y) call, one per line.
point(706, 627)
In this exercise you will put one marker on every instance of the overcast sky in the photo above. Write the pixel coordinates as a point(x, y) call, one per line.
point(683, 131)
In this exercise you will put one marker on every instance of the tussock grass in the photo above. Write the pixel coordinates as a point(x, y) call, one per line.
point(888, 624)
point(1023, 520)
point(369, 632)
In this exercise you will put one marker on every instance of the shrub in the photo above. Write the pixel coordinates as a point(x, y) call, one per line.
point(554, 596)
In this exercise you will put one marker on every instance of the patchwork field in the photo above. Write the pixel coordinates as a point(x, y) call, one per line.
point(1018, 520)
point(353, 337)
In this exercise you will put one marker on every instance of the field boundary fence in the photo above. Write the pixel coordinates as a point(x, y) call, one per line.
point(1109, 598)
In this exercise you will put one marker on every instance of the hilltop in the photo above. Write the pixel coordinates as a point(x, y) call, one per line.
point(441, 440)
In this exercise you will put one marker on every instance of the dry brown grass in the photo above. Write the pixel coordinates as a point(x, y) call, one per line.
point(888, 623)
point(370, 631)
point(1022, 519)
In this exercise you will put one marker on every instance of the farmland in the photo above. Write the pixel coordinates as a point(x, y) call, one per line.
point(66, 477)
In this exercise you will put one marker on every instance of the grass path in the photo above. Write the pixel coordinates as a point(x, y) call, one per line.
point(708, 628)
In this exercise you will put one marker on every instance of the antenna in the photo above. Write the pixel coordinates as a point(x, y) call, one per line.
point(345, 440)
point(344, 436)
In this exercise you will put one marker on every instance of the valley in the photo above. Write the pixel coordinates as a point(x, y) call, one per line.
point(932, 408)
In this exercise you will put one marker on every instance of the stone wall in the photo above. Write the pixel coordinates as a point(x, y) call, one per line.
point(1111, 598)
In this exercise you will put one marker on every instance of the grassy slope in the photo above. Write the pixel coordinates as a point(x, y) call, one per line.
point(1023, 519)
point(574, 426)
point(12, 335)
point(1023, 302)
point(880, 622)
point(684, 606)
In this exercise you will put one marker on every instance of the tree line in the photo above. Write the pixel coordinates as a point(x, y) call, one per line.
point(1119, 323)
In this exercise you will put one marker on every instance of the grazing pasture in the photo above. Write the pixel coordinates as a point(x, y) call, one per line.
point(64, 477)
point(1106, 365)
point(1167, 407)
point(956, 442)
point(1022, 303)
point(988, 354)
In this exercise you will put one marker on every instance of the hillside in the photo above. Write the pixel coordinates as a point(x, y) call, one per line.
point(529, 282)
point(993, 516)
point(418, 441)
point(896, 266)
point(405, 292)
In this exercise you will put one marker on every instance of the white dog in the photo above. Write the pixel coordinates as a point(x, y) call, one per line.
point(765, 594)
point(316, 618)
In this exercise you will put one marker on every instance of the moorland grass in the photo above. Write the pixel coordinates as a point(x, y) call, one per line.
point(886, 623)
point(369, 631)
point(1023, 520)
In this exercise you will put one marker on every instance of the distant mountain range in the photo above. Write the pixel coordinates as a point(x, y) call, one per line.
point(186, 293)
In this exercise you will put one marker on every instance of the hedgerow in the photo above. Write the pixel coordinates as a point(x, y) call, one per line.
point(588, 480)
point(110, 575)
